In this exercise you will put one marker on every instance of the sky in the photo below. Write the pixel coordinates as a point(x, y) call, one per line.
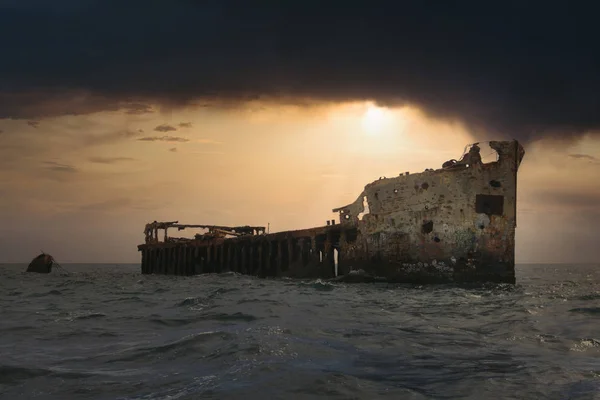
point(115, 114)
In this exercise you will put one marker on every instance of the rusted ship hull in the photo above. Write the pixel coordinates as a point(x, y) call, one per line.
point(454, 224)
point(42, 264)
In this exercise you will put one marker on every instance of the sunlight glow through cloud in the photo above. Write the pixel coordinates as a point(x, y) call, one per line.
point(376, 119)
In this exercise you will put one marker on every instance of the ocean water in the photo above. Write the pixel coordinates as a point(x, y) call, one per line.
point(108, 332)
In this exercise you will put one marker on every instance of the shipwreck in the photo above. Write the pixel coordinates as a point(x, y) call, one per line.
point(452, 224)
point(42, 264)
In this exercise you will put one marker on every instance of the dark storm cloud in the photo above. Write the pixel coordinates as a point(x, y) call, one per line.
point(107, 138)
point(513, 67)
point(58, 167)
point(109, 160)
point(21, 100)
point(165, 128)
point(138, 109)
point(163, 139)
point(185, 124)
point(583, 157)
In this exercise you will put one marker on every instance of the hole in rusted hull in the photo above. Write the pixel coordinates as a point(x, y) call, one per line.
point(351, 235)
point(427, 227)
point(489, 204)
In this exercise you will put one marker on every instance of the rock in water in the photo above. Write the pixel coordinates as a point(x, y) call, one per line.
point(41, 264)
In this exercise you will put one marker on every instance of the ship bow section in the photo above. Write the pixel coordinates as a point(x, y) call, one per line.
point(454, 224)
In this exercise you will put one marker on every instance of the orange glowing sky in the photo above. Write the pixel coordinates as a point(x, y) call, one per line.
point(82, 187)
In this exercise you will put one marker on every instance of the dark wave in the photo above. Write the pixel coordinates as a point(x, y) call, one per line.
point(123, 299)
point(18, 328)
point(586, 310)
point(238, 316)
point(262, 301)
point(49, 293)
point(14, 374)
point(109, 334)
point(172, 322)
point(90, 316)
point(191, 343)
point(319, 285)
point(74, 282)
point(191, 301)
point(223, 317)
point(589, 297)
